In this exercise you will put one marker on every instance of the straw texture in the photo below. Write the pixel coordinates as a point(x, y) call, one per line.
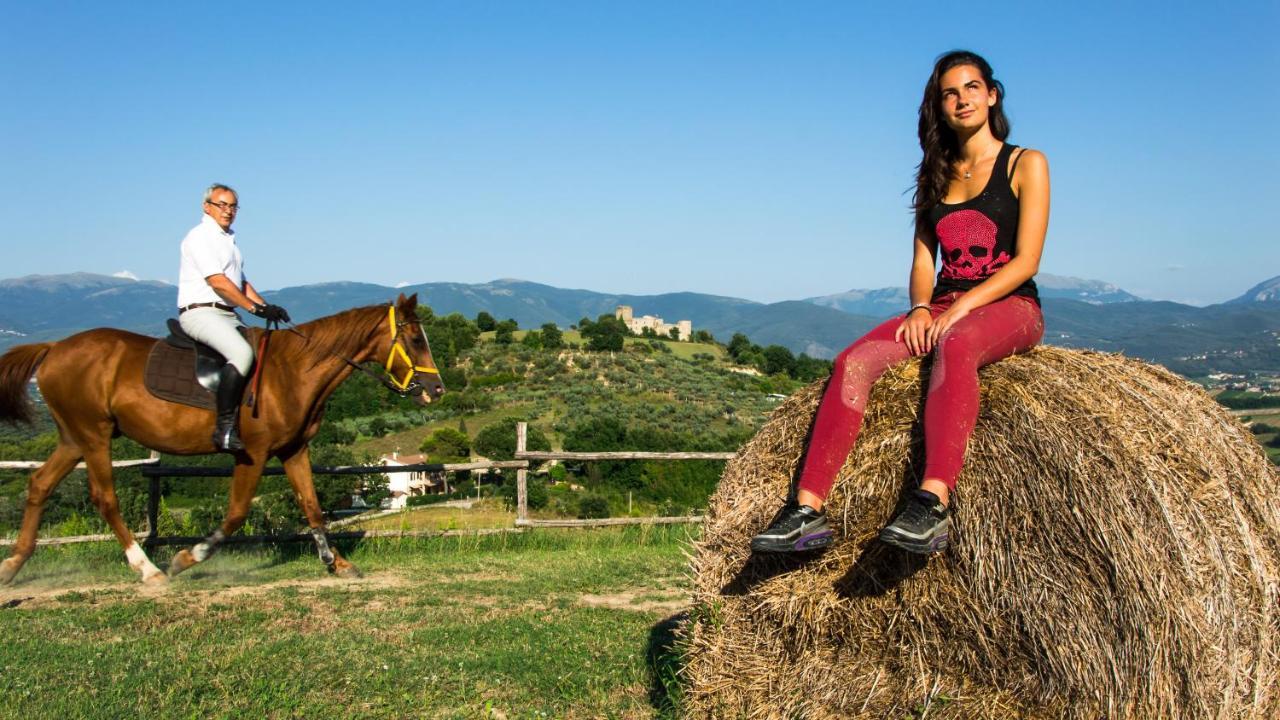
point(1116, 555)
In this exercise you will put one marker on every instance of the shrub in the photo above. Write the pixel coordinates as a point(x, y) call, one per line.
point(498, 441)
point(446, 443)
point(593, 506)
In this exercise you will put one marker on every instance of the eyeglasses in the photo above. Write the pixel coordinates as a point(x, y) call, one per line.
point(224, 205)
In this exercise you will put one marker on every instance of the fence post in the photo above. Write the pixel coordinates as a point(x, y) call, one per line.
point(522, 477)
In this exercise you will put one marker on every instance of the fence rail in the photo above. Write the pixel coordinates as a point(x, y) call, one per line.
point(522, 481)
point(154, 472)
point(33, 464)
point(294, 537)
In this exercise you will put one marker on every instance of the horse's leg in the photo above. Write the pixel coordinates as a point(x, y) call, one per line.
point(102, 491)
point(42, 482)
point(298, 468)
point(244, 483)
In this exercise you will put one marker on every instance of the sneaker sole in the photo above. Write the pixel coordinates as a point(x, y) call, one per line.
point(937, 543)
point(814, 541)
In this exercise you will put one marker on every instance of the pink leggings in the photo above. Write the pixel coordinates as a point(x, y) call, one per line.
point(988, 334)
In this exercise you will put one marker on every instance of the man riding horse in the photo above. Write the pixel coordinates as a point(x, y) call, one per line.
point(92, 402)
point(211, 285)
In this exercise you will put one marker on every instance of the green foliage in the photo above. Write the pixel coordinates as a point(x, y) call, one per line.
point(485, 322)
point(606, 334)
point(536, 494)
point(504, 332)
point(454, 378)
point(552, 338)
point(470, 400)
point(446, 445)
point(593, 506)
point(1243, 400)
point(1261, 428)
point(334, 433)
point(738, 345)
point(498, 441)
point(494, 380)
point(532, 339)
point(808, 369)
point(778, 359)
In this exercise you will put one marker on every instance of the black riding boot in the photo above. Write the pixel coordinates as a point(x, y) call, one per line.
point(226, 436)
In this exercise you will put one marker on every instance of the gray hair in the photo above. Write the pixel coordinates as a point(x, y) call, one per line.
point(219, 186)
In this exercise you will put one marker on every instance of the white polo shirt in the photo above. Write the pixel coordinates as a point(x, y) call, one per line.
point(207, 250)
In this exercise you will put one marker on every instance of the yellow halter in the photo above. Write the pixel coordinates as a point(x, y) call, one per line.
point(398, 352)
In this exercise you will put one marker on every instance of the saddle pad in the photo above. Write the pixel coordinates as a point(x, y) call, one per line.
point(171, 375)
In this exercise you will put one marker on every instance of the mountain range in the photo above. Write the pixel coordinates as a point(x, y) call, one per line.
point(1238, 335)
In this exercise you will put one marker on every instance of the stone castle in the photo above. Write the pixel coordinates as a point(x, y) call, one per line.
point(638, 324)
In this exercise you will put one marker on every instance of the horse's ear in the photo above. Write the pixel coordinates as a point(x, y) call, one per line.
point(411, 302)
point(400, 300)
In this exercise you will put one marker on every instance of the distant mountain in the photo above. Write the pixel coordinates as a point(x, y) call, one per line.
point(800, 326)
point(40, 307)
point(876, 303)
point(1234, 337)
point(1265, 291)
point(1094, 292)
point(883, 302)
point(37, 308)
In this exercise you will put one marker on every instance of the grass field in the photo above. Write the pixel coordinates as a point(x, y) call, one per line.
point(487, 515)
point(571, 624)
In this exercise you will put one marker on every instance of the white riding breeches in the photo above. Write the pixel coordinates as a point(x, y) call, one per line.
point(217, 329)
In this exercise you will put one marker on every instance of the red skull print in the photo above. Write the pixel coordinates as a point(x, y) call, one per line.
point(968, 241)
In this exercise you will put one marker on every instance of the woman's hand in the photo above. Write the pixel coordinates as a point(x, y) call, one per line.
point(944, 321)
point(914, 330)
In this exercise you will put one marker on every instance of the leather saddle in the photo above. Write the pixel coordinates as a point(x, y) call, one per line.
point(183, 370)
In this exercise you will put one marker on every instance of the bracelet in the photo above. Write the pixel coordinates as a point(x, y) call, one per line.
point(914, 308)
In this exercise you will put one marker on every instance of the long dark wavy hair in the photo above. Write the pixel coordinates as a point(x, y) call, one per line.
point(938, 141)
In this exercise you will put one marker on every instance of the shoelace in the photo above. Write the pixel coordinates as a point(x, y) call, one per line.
point(918, 510)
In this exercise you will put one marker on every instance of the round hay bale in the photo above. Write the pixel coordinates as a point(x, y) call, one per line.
point(1117, 555)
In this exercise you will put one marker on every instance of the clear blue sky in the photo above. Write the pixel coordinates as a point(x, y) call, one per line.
point(753, 149)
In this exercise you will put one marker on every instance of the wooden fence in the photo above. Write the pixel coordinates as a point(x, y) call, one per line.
point(522, 481)
point(154, 472)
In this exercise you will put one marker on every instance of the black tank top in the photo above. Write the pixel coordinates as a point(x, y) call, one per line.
point(980, 235)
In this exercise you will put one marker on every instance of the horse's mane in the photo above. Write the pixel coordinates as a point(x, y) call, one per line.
point(343, 334)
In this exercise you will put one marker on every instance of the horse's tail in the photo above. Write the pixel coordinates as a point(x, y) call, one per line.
point(16, 368)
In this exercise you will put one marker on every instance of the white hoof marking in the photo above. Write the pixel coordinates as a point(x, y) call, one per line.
point(139, 561)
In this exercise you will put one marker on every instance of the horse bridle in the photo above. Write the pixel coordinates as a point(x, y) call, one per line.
point(403, 386)
point(407, 385)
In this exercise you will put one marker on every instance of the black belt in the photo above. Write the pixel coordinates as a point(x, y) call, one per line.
point(220, 306)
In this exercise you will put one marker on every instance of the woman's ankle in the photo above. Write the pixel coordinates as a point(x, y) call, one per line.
point(804, 497)
point(939, 488)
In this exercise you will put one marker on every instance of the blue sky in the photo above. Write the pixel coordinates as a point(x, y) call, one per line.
point(753, 149)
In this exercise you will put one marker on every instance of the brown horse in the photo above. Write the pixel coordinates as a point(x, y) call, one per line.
point(92, 384)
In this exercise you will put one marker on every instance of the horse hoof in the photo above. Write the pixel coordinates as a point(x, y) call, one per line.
point(156, 580)
point(7, 571)
point(346, 572)
point(180, 562)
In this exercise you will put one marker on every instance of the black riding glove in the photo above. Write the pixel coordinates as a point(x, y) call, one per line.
point(272, 313)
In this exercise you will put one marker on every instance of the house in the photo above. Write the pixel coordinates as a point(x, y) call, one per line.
point(419, 482)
